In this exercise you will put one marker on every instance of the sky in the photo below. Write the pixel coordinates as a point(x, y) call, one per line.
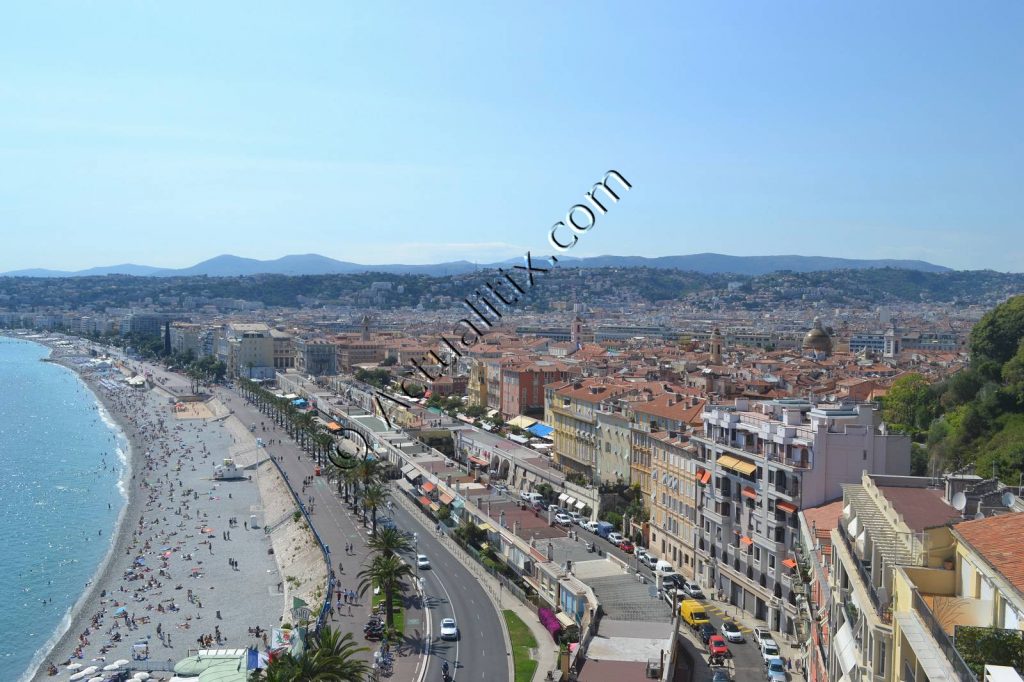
point(168, 133)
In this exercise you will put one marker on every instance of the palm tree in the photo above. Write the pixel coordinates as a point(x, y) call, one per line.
point(374, 498)
point(386, 573)
point(389, 542)
point(323, 441)
point(332, 657)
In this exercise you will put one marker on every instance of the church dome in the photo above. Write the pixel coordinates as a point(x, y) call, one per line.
point(817, 339)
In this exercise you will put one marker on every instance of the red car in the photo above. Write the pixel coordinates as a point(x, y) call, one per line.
point(627, 546)
point(717, 646)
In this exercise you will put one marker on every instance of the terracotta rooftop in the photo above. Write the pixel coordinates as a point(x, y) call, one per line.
point(920, 507)
point(998, 540)
point(823, 519)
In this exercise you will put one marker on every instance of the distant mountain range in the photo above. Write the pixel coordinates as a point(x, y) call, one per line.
point(315, 264)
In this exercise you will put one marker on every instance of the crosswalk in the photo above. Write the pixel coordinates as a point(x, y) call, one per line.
point(708, 606)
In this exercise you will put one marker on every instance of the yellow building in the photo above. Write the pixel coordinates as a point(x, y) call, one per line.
point(974, 581)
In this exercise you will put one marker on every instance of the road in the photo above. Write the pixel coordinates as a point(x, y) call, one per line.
point(450, 589)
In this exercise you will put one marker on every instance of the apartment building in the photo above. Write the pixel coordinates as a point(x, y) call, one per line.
point(522, 386)
point(316, 356)
point(886, 522)
point(964, 605)
point(185, 337)
point(571, 410)
point(284, 350)
point(758, 465)
point(247, 350)
point(672, 484)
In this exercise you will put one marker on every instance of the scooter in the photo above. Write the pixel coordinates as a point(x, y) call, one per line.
point(445, 676)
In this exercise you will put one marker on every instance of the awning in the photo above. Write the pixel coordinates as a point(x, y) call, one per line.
point(434, 506)
point(486, 527)
point(425, 501)
point(522, 440)
point(705, 477)
point(580, 504)
point(427, 487)
point(446, 498)
point(737, 465)
point(785, 506)
point(565, 620)
point(749, 492)
point(570, 501)
point(746, 541)
point(789, 563)
point(846, 648)
point(479, 461)
point(333, 426)
point(563, 497)
point(540, 430)
point(522, 422)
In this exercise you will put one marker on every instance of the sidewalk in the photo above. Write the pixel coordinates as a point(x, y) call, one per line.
point(338, 527)
point(546, 653)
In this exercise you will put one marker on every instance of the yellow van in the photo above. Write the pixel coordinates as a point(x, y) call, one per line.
point(693, 613)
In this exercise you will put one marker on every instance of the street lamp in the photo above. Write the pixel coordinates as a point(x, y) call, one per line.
point(416, 549)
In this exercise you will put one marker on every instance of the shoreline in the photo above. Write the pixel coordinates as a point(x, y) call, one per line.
point(168, 486)
point(73, 617)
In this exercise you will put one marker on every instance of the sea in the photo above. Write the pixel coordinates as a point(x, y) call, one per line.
point(62, 460)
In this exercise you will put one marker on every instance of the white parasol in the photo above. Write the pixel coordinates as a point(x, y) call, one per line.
point(111, 666)
point(141, 676)
point(74, 666)
point(121, 662)
point(95, 679)
point(90, 670)
point(77, 676)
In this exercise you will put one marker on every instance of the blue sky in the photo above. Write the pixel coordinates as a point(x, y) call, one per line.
point(168, 133)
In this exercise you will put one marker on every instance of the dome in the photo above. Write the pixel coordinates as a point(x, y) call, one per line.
point(817, 339)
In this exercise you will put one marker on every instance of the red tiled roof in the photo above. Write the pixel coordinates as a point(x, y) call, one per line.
point(921, 508)
point(998, 540)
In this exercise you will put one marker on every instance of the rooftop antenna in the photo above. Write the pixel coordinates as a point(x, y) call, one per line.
point(959, 503)
point(979, 515)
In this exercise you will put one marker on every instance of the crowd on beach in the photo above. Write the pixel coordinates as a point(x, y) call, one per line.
point(166, 550)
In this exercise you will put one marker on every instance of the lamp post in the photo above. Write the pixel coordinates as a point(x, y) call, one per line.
point(416, 549)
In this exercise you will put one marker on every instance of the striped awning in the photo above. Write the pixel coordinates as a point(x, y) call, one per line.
point(736, 464)
point(749, 492)
point(785, 506)
point(789, 563)
point(434, 506)
point(705, 477)
point(479, 461)
point(746, 541)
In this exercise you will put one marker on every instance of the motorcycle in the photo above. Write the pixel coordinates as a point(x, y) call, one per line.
point(445, 675)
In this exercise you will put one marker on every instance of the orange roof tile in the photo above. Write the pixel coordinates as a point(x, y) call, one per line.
point(998, 540)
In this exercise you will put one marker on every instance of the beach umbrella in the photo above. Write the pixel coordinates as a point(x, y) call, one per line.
point(95, 679)
point(140, 676)
point(74, 666)
point(77, 676)
point(90, 670)
point(121, 662)
point(111, 666)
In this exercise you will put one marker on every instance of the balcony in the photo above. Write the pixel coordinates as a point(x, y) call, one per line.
point(883, 611)
point(963, 672)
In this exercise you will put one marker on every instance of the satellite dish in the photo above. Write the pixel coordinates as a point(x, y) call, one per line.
point(959, 501)
point(1008, 499)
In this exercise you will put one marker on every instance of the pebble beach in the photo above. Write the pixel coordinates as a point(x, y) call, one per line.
point(186, 570)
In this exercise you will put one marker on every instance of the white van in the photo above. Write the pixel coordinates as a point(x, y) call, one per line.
point(663, 567)
point(535, 498)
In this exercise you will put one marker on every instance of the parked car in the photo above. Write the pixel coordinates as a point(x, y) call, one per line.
point(732, 632)
point(591, 526)
point(648, 559)
point(563, 520)
point(693, 589)
point(776, 670)
point(720, 675)
point(524, 495)
point(615, 538)
point(672, 580)
point(673, 597)
point(717, 646)
point(706, 632)
point(574, 516)
point(555, 508)
point(627, 546)
point(640, 554)
point(422, 561)
point(761, 634)
point(501, 488)
point(663, 566)
point(583, 521)
point(769, 650)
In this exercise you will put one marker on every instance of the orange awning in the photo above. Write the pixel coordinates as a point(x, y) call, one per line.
point(427, 487)
point(446, 498)
point(424, 501)
point(746, 541)
point(789, 563)
point(785, 506)
point(705, 477)
point(333, 426)
point(750, 492)
point(479, 461)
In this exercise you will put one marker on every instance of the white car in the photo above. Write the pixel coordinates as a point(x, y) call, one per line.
point(449, 630)
point(574, 516)
point(769, 650)
point(591, 526)
point(693, 589)
point(732, 632)
point(422, 561)
point(615, 538)
point(563, 520)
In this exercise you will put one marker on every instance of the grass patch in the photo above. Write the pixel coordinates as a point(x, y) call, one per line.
point(522, 641)
point(399, 612)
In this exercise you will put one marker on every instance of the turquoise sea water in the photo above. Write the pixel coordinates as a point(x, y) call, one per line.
point(61, 461)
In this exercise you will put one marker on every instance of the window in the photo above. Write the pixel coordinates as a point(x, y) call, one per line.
point(757, 554)
point(771, 561)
